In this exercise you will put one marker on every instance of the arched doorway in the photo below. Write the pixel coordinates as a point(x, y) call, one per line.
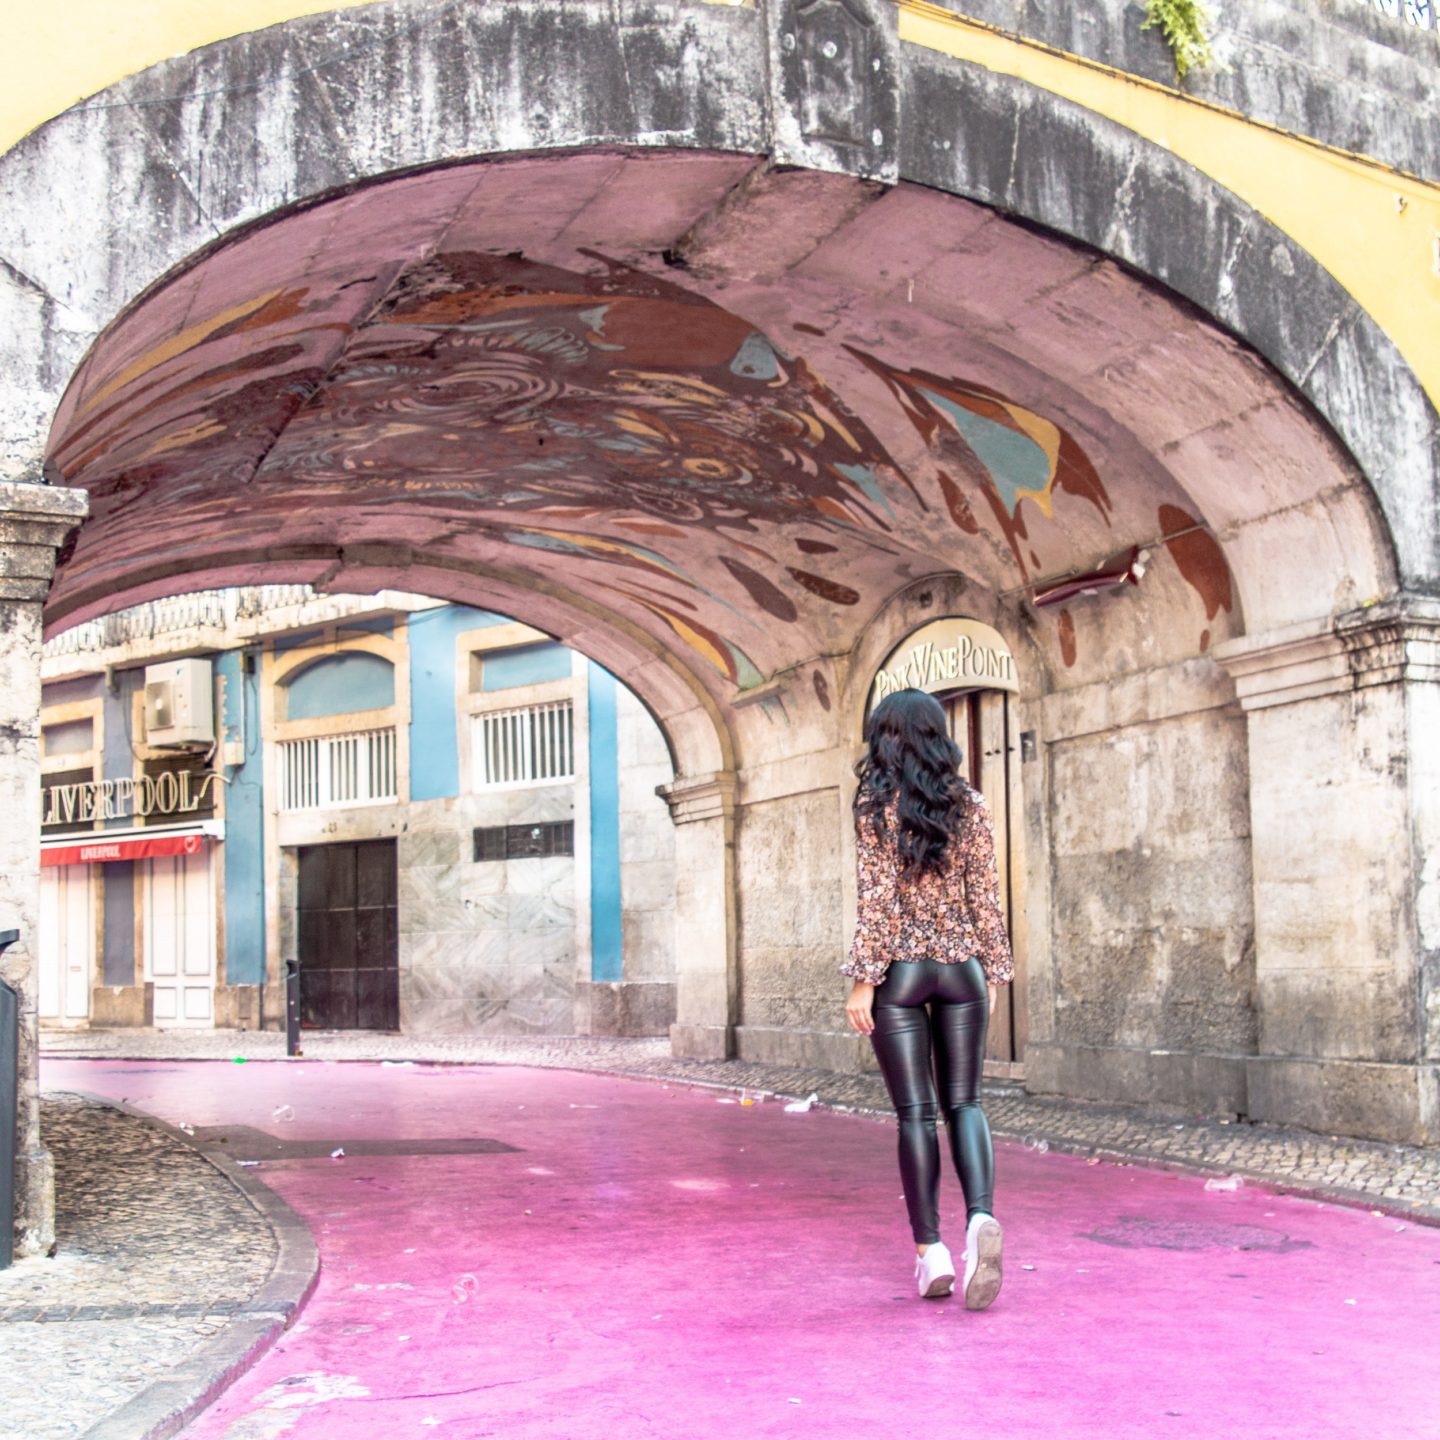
point(968, 666)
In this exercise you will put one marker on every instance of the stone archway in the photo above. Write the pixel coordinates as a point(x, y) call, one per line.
point(690, 269)
point(705, 479)
point(505, 80)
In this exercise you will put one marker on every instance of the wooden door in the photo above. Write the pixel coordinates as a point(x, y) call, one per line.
point(180, 939)
point(66, 943)
point(982, 724)
point(349, 949)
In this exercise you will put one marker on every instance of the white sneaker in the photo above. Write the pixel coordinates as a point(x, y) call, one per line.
point(983, 1243)
point(934, 1272)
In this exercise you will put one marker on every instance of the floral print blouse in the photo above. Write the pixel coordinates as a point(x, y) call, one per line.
point(950, 917)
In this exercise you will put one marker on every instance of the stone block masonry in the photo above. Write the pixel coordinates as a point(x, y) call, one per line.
point(34, 522)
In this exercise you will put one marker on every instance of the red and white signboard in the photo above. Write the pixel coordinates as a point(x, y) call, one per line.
point(139, 847)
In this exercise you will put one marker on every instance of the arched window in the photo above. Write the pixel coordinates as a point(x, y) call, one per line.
point(340, 685)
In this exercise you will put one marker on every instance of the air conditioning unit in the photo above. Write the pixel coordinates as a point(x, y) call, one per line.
point(179, 703)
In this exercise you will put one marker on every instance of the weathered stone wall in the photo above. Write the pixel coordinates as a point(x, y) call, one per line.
point(20, 906)
point(1150, 853)
point(1339, 71)
point(33, 524)
point(647, 859)
point(1423, 769)
point(1344, 864)
point(1333, 832)
point(1150, 905)
point(791, 869)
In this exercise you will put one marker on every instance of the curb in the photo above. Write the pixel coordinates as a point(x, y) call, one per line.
point(165, 1406)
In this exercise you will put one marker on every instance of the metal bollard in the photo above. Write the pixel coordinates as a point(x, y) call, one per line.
point(292, 1008)
point(9, 1096)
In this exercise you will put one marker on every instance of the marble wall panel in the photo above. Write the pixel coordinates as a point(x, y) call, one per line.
point(541, 914)
point(440, 961)
point(554, 876)
point(532, 948)
point(430, 898)
point(430, 847)
point(533, 999)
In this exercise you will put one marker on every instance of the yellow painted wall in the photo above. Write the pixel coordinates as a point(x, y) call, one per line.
point(65, 50)
point(1376, 231)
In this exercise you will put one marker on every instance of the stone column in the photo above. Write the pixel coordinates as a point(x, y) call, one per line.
point(706, 967)
point(1343, 720)
point(34, 521)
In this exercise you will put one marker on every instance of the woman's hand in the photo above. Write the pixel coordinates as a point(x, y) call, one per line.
point(993, 989)
point(860, 1008)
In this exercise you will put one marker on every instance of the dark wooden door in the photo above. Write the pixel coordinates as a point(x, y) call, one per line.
point(349, 970)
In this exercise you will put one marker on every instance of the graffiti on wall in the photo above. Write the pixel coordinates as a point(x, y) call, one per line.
point(597, 416)
point(1018, 454)
point(1014, 455)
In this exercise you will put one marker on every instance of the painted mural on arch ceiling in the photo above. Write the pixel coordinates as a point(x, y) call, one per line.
point(600, 423)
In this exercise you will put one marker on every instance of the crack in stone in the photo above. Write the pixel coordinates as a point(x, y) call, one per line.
point(1332, 332)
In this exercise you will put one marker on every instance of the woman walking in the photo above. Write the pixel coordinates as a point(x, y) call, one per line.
point(930, 932)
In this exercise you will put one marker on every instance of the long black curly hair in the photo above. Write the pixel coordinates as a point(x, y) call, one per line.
point(910, 755)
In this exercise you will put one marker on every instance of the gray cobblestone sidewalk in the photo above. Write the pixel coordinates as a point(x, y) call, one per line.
point(1381, 1176)
point(156, 1253)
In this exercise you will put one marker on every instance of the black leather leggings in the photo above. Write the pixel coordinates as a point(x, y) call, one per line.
point(954, 1028)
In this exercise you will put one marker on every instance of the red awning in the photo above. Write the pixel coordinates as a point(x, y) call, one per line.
point(137, 847)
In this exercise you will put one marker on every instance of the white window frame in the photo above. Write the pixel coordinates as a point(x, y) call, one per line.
point(339, 772)
point(520, 747)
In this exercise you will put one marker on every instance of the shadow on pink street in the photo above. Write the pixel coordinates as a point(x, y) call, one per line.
point(663, 1263)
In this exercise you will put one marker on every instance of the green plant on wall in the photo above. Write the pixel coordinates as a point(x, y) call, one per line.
point(1184, 24)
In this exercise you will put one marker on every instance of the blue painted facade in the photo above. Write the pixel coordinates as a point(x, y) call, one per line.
point(339, 685)
point(525, 665)
point(607, 953)
point(244, 848)
point(434, 751)
point(118, 761)
point(442, 668)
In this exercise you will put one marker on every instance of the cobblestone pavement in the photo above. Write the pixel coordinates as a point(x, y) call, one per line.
point(1382, 1176)
point(156, 1253)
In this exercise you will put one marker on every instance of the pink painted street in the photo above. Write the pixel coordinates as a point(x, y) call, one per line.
point(539, 1253)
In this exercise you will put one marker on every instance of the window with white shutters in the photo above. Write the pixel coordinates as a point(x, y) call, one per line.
point(325, 772)
point(530, 745)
